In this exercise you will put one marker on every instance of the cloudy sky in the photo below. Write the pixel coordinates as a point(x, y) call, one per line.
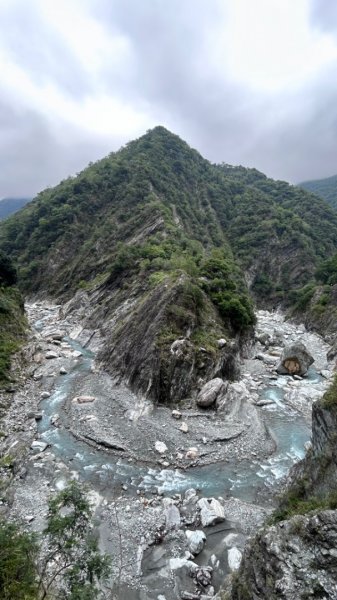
point(251, 82)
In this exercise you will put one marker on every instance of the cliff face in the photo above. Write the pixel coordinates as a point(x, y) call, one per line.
point(296, 557)
point(293, 560)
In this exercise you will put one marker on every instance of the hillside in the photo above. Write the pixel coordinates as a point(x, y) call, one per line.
point(12, 320)
point(9, 206)
point(324, 188)
point(157, 187)
point(160, 245)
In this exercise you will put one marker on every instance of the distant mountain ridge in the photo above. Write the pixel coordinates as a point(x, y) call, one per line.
point(324, 188)
point(9, 206)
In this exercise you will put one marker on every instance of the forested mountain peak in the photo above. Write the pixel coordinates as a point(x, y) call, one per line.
point(157, 207)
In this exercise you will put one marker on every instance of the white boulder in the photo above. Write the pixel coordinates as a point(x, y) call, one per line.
point(196, 541)
point(211, 511)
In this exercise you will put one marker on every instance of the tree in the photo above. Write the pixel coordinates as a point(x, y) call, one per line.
point(18, 551)
point(72, 565)
point(7, 270)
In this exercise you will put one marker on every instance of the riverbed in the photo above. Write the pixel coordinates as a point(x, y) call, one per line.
point(109, 445)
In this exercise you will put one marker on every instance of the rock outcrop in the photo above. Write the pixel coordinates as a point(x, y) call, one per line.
point(296, 557)
point(292, 560)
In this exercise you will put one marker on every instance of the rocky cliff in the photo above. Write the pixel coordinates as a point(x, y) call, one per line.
point(296, 557)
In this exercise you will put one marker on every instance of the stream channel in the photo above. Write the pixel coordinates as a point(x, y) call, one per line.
point(289, 430)
point(251, 480)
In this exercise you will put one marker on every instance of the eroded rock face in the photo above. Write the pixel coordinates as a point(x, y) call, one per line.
point(292, 560)
point(295, 360)
point(209, 392)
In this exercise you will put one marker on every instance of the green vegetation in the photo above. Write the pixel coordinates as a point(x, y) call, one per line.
point(298, 502)
point(12, 320)
point(302, 297)
point(18, 556)
point(329, 399)
point(68, 565)
point(324, 188)
point(157, 206)
point(327, 271)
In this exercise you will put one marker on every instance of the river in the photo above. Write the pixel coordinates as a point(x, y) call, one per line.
point(284, 410)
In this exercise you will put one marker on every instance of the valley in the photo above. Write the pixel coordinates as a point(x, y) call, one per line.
point(176, 358)
point(242, 452)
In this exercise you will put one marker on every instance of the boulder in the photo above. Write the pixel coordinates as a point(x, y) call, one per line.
point(35, 415)
point(183, 563)
point(160, 447)
point(184, 427)
point(211, 511)
point(172, 517)
point(176, 414)
point(326, 374)
point(196, 541)
point(39, 445)
point(45, 395)
point(234, 558)
point(84, 399)
point(209, 392)
point(221, 342)
point(51, 354)
point(54, 420)
point(236, 393)
point(203, 576)
point(264, 338)
point(192, 453)
point(190, 496)
point(63, 371)
point(295, 360)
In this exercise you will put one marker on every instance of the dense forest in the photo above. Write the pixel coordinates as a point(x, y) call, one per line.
point(12, 320)
point(158, 206)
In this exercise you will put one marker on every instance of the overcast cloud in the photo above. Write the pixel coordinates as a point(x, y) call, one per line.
point(249, 82)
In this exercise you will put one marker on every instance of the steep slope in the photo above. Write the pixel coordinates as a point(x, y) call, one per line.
point(12, 320)
point(324, 188)
point(155, 229)
point(158, 185)
point(295, 557)
point(9, 206)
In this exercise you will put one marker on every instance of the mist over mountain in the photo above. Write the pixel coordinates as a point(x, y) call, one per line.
point(324, 188)
point(9, 206)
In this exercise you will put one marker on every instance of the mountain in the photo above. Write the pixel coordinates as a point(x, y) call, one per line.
point(9, 206)
point(157, 245)
point(324, 188)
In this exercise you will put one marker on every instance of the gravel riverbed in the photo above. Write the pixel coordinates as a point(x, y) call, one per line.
point(241, 452)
